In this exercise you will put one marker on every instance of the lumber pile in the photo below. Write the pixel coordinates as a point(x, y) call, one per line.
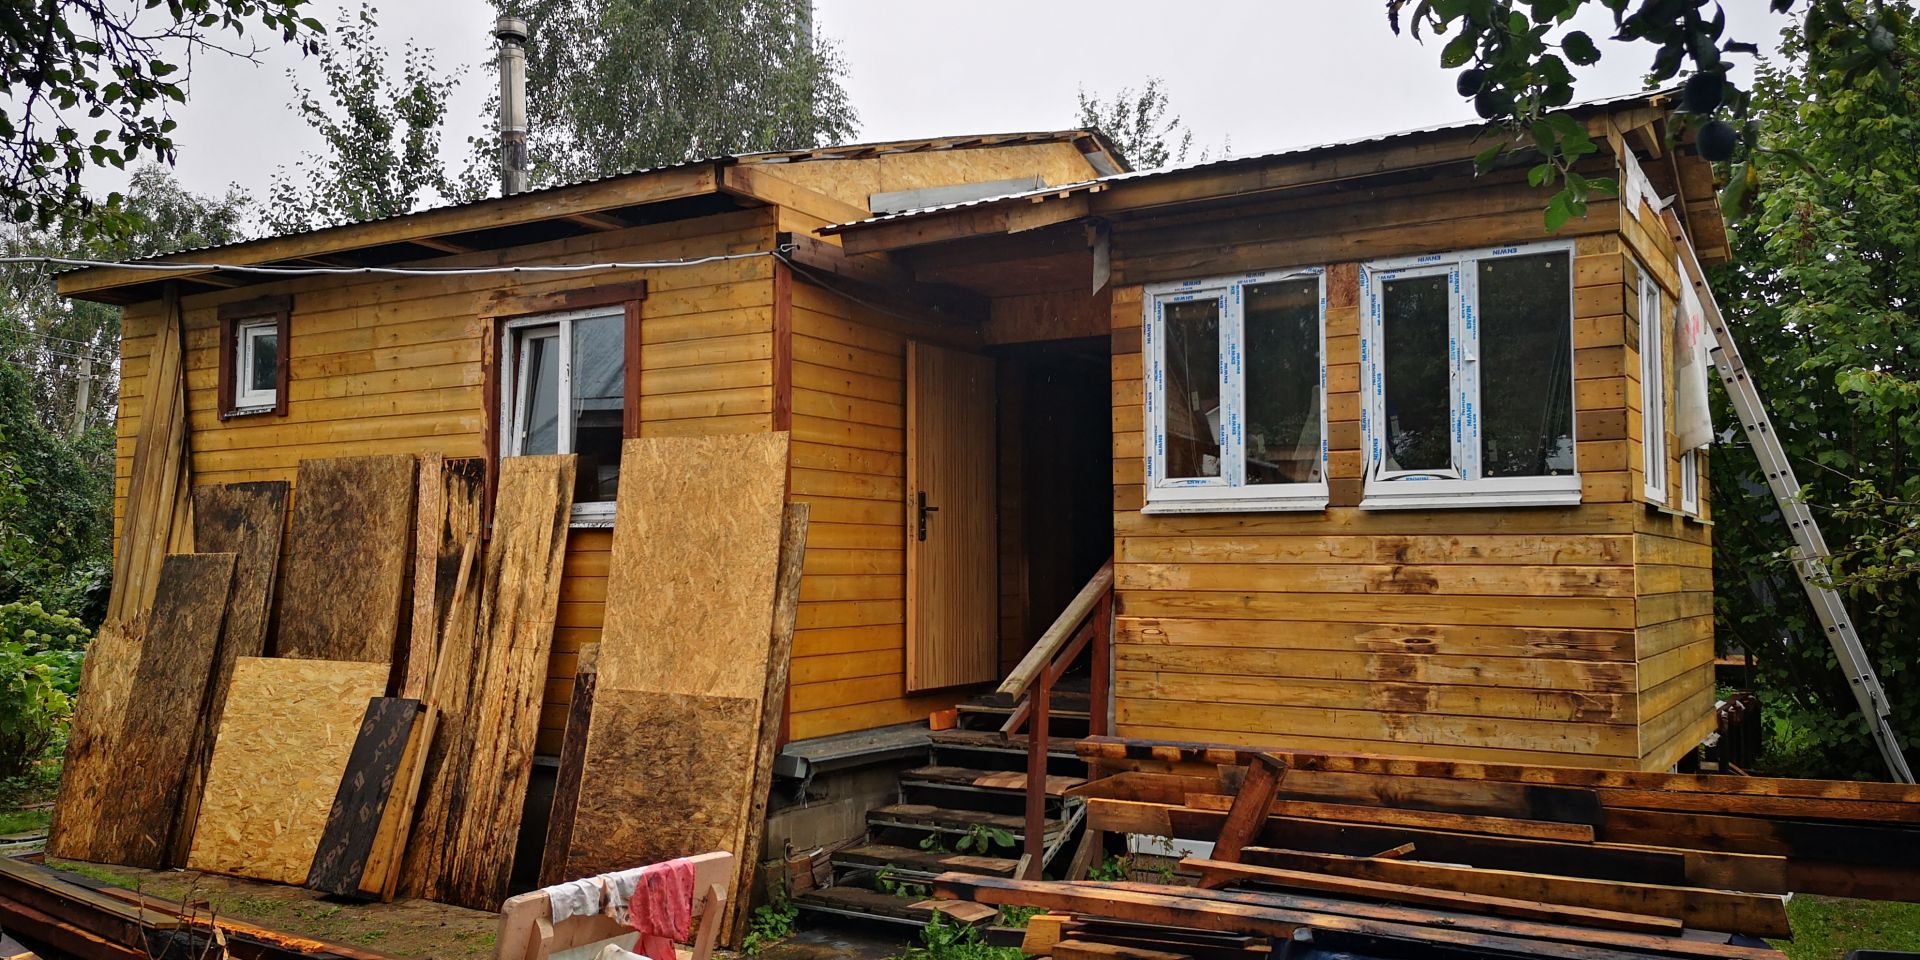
point(306, 754)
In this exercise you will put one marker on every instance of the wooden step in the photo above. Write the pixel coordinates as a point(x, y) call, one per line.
point(1009, 780)
point(868, 904)
point(923, 816)
point(924, 862)
point(997, 741)
point(1065, 706)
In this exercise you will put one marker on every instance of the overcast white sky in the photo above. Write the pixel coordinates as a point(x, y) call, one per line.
point(1268, 75)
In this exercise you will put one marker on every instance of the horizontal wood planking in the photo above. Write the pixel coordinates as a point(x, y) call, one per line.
point(396, 366)
point(1484, 633)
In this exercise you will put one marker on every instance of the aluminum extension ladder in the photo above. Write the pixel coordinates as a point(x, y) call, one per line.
point(1811, 554)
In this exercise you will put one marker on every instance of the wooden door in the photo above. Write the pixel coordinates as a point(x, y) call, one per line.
point(952, 605)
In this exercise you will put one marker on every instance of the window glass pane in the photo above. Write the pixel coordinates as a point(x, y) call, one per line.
point(1283, 382)
point(1526, 366)
point(264, 360)
point(538, 417)
point(1416, 329)
point(1192, 399)
point(599, 389)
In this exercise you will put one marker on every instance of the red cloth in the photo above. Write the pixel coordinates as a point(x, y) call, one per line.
point(662, 907)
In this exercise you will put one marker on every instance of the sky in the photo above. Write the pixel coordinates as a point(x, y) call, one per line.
point(1244, 75)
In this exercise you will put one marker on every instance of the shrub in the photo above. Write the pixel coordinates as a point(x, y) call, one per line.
point(52, 638)
point(33, 710)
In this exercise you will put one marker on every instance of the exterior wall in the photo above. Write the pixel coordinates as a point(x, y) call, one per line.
point(396, 365)
point(853, 181)
point(1509, 635)
point(1673, 554)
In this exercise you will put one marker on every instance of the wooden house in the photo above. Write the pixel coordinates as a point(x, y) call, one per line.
point(1382, 464)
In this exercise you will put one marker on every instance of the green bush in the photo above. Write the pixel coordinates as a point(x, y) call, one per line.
point(52, 638)
point(33, 710)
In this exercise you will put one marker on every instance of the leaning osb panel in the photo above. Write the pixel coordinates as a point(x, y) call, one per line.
point(277, 762)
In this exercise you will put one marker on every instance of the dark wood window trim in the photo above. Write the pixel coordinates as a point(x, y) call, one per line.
point(511, 304)
point(280, 310)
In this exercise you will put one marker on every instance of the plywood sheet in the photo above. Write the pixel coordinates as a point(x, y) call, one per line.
point(663, 778)
point(492, 759)
point(347, 559)
point(695, 548)
point(87, 775)
point(162, 719)
point(277, 763)
point(247, 520)
point(373, 771)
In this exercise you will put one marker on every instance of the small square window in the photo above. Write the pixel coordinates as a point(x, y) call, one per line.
point(253, 357)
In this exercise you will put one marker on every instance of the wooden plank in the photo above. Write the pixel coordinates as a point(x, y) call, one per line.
point(773, 705)
point(346, 562)
point(156, 497)
point(1434, 820)
point(1213, 872)
point(446, 518)
point(441, 769)
point(1250, 808)
point(247, 520)
point(162, 721)
point(89, 774)
point(1753, 914)
point(518, 603)
point(1252, 914)
point(381, 878)
point(277, 762)
point(367, 786)
point(701, 547)
point(573, 757)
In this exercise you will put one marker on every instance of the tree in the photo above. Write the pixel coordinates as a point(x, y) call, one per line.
point(89, 84)
point(1824, 295)
point(1516, 60)
point(56, 448)
point(621, 85)
point(382, 134)
point(1139, 125)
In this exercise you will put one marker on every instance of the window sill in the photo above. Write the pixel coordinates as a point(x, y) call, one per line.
point(252, 411)
point(591, 516)
point(1469, 498)
point(1231, 505)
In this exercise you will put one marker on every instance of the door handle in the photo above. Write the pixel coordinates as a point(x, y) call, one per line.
point(923, 511)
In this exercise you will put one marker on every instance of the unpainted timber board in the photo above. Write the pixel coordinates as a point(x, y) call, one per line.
point(366, 787)
point(277, 761)
point(695, 551)
point(442, 767)
point(88, 775)
point(446, 517)
point(163, 718)
point(573, 757)
point(346, 564)
point(519, 600)
point(381, 877)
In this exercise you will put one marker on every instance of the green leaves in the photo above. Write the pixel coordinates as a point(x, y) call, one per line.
point(1579, 48)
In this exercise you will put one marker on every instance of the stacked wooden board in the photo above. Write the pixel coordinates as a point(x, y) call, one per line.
point(307, 765)
point(1578, 859)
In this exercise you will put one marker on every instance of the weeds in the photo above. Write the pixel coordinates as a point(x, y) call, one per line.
point(945, 939)
point(770, 924)
point(884, 882)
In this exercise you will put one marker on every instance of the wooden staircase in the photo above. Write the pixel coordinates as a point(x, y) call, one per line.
point(958, 812)
point(975, 777)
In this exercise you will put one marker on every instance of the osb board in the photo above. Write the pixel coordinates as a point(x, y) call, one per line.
point(247, 520)
point(519, 601)
point(162, 720)
point(88, 774)
point(277, 762)
point(695, 548)
point(663, 778)
point(347, 559)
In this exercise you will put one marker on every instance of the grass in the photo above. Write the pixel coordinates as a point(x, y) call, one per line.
point(1825, 928)
point(23, 821)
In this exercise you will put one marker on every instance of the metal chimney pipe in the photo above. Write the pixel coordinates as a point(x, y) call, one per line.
point(512, 34)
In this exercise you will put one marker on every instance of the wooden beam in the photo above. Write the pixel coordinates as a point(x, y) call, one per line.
point(441, 244)
point(1215, 873)
point(1248, 811)
point(1016, 215)
point(764, 184)
point(690, 180)
point(1427, 819)
point(598, 221)
point(1754, 914)
point(881, 276)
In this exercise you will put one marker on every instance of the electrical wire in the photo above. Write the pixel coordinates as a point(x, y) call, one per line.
point(170, 267)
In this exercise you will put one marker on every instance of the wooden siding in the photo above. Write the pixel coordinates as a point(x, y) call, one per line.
point(395, 365)
point(1482, 634)
point(853, 181)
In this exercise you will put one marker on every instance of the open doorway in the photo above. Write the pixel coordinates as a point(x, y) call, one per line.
point(1055, 442)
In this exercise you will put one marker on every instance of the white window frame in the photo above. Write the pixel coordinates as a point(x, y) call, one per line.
point(1653, 391)
point(513, 393)
point(245, 332)
point(1460, 485)
point(1690, 483)
point(1228, 492)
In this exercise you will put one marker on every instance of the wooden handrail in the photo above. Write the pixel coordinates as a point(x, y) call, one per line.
point(1058, 635)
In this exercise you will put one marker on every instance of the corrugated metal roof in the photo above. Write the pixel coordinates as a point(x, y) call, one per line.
point(1101, 183)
